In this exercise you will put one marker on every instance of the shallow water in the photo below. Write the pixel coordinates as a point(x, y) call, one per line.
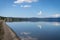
point(36, 30)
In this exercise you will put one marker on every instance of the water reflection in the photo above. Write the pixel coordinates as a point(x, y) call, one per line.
point(31, 30)
point(39, 26)
point(56, 23)
point(25, 33)
point(48, 23)
point(26, 36)
point(29, 38)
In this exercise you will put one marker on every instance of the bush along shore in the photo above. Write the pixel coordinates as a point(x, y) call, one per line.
point(7, 33)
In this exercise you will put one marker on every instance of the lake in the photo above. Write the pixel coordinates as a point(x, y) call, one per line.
point(36, 30)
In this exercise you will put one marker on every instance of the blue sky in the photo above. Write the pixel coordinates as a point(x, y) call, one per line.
point(30, 8)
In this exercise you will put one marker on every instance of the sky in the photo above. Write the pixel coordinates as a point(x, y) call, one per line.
point(30, 8)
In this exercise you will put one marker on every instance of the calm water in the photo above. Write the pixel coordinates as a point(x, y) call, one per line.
point(36, 30)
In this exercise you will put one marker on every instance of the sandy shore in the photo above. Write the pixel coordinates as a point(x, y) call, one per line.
point(8, 33)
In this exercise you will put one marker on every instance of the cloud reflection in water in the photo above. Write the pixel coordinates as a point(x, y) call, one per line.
point(56, 23)
point(27, 37)
point(40, 26)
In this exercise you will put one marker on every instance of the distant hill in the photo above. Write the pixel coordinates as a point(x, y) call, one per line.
point(33, 19)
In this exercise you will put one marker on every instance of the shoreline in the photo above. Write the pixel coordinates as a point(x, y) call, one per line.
point(9, 34)
point(13, 32)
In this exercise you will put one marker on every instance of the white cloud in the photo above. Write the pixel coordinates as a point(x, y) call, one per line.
point(56, 15)
point(27, 1)
point(40, 13)
point(24, 1)
point(25, 6)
